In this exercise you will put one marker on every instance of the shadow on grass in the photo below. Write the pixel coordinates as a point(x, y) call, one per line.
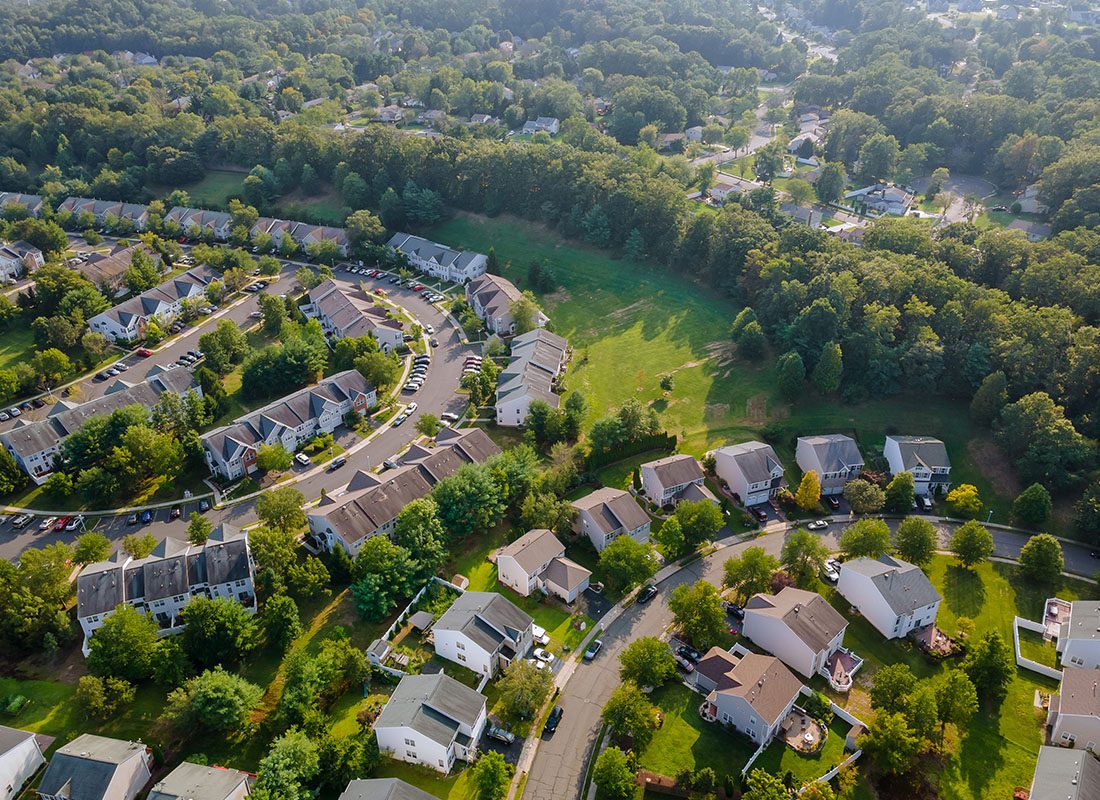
point(963, 591)
point(981, 751)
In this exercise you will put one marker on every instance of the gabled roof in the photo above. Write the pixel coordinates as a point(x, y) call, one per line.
point(108, 268)
point(383, 789)
point(494, 294)
point(756, 460)
point(534, 550)
point(808, 615)
point(835, 451)
point(612, 509)
point(566, 573)
point(903, 586)
point(1065, 774)
point(1079, 692)
point(11, 738)
point(433, 705)
point(196, 782)
point(83, 769)
point(764, 682)
point(923, 451)
point(676, 470)
point(487, 618)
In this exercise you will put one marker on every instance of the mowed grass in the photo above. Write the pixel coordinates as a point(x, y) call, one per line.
point(214, 190)
point(16, 345)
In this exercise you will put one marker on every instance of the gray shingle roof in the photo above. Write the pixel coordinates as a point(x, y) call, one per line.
point(10, 738)
point(1079, 692)
point(534, 550)
point(1064, 774)
point(433, 705)
point(903, 586)
point(612, 509)
point(383, 789)
point(676, 469)
point(196, 782)
point(922, 451)
point(1084, 620)
point(86, 765)
point(755, 459)
point(807, 614)
point(566, 574)
point(835, 451)
point(486, 618)
point(764, 682)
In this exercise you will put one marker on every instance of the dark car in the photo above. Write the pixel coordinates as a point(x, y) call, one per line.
point(553, 720)
point(38, 402)
point(647, 594)
point(735, 611)
point(146, 517)
point(336, 464)
point(204, 505)
point(174, 513)
point(684, 665)
point(759, 513)
point(690, 653)
point(833, 501)
point(132, 519)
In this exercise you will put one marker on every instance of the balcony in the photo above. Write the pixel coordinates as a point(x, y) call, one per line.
point(840, 669)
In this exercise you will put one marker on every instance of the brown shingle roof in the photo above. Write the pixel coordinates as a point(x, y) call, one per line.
point(763, 681)
point(534, 550)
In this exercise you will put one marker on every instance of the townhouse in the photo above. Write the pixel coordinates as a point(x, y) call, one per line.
point(368, 506)
point(19, 258)
point(483, 631)
point(431, 720)
point(163, 583)
point(291, 422)
point(922, 456)
point(536, 562)
point(107, 212)
point(438, 260)
point(108, 270)
point(667, 481)
point(200, 782)
point(196, 220)
point(20, 759)
point(894, 595)
point(800, 628)
point(609, 513)
point(491, 297)
point(538, 359)
point(1073, 716)
point(96, 768)
point(752, 471)
point(348, 313)
point(834, 457)
point(751, 693)
point(1079, 636)
point(32, 202)
point(128, 320)
point(1062, 774)
point(34, 445)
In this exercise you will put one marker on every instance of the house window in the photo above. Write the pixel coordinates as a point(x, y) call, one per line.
point(410, 754)
point(460, 645)
point(410, 742)
point(461, 657)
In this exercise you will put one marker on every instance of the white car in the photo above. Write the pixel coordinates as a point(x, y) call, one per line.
point(74, 523)
point(538, 664)
point(47, 523)
point(302, 459)
point(832, 570)
point(543, 655)
point(540, 635)
point(818, 525)
point(429, 329)
point(411, 407)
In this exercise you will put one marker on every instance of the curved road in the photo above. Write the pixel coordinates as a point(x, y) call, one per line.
point(559, 765)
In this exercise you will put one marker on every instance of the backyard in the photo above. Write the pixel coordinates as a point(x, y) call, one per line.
point(216, 188)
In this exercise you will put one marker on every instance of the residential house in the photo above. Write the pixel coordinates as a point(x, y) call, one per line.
point(1073, 716)
point(834, 457)
point(491, 297)
point(383, 789)
point(97, 768)
point(1062, 774)
point(894, 595)
point(391, 114)
point(19, 258)
point(1029, 201)
point(795, 145)
point(481, 119)
point(199, 782)
point(292, 421)
point(128, 320)
point(608, 513)
point(752, 471)
point(348, 313)
point(751, 693)
point(550, 125)
point(32, 202)
point(163, 583)
point(483, 631)
point(883, 198)
point(807, 215)
point(798, 627)
point(538, 360)
point(694, 133)
point(190, 220)
point(20, 759)
point(33, 445)
point(368, 506)
point(277, 229)
point(305, 235)
point(1079, 636)
point(108, 270)
point(107, 211)
point(924, 457)
point(536, 562)
point(438, 260)
point(1008, 13)
point(671, 142)
point(431, 720)
point(667, 481)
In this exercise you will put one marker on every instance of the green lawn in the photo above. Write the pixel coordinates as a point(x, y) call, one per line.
point(1033, 647)
point(214, 190)
point(778, 759)
point(16, 345)
point(456, 786)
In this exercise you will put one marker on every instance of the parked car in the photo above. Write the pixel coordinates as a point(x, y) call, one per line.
point(540, 635)
point(336, 463)
point(20, 522)
point(593, 650)
point(925, 503)
point(256, 315)
point(302, 459)
point(38, 402)
point(500, 734)
point(174, 513)
point(684, 665)
point(449, 416)
point(60, 524)
point(434, 342)
point(553, 720)
point(832, 570)
point(74, 523)
point(429, 329)
point(389, 463)
point(818, 525)
point(543, 655)
point(411, 407)
point(647, 594)
point(144, 352)
point(735, 610)
point(47, 523)
point(4, 416)
point(760, 513)
point(688, 652)
point(204, 506)
point(399, 420)
point(146, 517)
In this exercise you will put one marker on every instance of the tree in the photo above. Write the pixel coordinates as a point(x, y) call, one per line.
point(891, 743)
point(469, 501)
point(138, 546)
point(647, 662)
point(384, 573)
point(671, 537)
point(634, 247)
point(893, 685)
point(971, 544)
point(214, 700)
point(629, 712)
point(123, 646)
point(964, 501)
point(50, 365)
point(613, 776)
point(419, 531)
point(801, 192)
point(829, 369)
point(492, 775)
point(750, 573)
point(791, 375)
point(289, 766)
point(280, 567)
point(428, 425)
point(274, 313)
point(808, 495)
point(915, 540)
point(363, 227)
point(282, 509)
point(1046, 446)
point(990, 666)
point(830, 184)
point(90, 548)
point(1033, 505)
point(627, 562)
point(58, 486)
point(866, 537)
point(525, 313)
point(523, 688)
point(273, 458)
point(698, 612)
point(818, 790)
point(900, 493)
point(218, 631)
point(764, 786)
point(1041, 559)
point(281, 622)
point(957, 699)
point(991, 397)
point(751, 341)
point(102, 698)
point(699, 520)
point(803, 556)
point(864, 497)
point(199, 528)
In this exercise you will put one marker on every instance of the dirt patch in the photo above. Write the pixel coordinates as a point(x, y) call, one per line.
point(713, 411)
point(995, 467)
point(620, 314)
point(724, 352)
point(557, 296)
point(756, 409)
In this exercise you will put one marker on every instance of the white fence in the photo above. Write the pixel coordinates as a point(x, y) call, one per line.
point(1027, 663)
point(377, 655)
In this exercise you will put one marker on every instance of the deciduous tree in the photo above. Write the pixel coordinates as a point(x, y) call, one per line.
point(866, 537)
point(864, 497)
point(750, 572)
point(627, 562)
point(697, 611)
point(647, 662)
point(523, 688)
point(1041, 559)
point(915, 540)
point(808, 495)
point(971, 544)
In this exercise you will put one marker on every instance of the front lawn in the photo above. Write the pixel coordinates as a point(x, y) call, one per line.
point(16, 345)
point(456, 786)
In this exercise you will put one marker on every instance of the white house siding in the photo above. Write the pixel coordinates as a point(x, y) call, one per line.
point(512, 575)
point(773, 635)
point(1080, 653)
point(17, 766)
point(454, 646)
point(1075, 730)
point(413, 747)
point(859, 590)
point(513, 412)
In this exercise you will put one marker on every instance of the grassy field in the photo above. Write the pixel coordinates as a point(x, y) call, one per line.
point(16, 345)
point(214, 190)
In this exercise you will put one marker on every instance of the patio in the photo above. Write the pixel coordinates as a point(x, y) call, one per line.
point(801, 732)
point(1057, 612)
point(840, 669)
point(933, 641)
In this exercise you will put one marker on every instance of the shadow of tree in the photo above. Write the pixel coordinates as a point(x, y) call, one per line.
point(963, 591)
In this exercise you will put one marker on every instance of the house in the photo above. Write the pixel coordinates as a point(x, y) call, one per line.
point(924, 457)
point(32, 202)
point(538, 360)
point(277, 229)
point(383, 789)
point(1029, 201)
point(752, 471)
point(807, 215)
point(673, 142)
point(1034, 231)
point(536, 562)
point(894, 595)
point(19, 258)
point(883, 198)
point(368, 506)
point(107, 212)
point(196, 220)
point(1073, 717)
point(33, 445)
point(1079, 636)
point(608, 513)
point(798, 627)
point(1062, 774)
point(96, 768)
point(491, 298)
point(431, 720)
point(163, 583)
point(1009, 13)
point(20, 758)
point(108, 270)
point(128, 320)
point(751, 693)
point(348, 313)
point(483, 631)
point(391, 114)
point(198, 782)
point(550, 125)
point(694, 133)
point(305, 235)
point(292, 421)
point(667, 481)
point(481, 119)
point(795, 145)
point(438, 260)
point(834, 457)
